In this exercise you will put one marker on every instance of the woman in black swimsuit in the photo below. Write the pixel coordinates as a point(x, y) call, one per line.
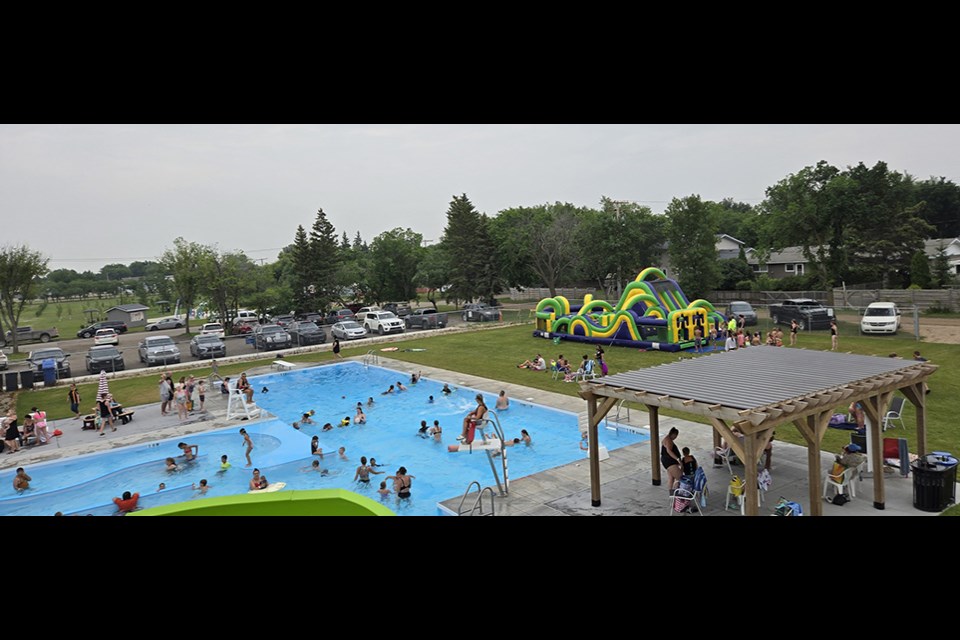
point(670, 457)
point(402, 482)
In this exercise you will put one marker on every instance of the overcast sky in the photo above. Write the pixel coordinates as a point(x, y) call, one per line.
point(89, 195)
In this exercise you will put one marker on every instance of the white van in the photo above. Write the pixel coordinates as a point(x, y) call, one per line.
point(880, 317)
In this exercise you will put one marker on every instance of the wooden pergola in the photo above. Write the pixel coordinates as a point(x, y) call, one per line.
point(757, 390)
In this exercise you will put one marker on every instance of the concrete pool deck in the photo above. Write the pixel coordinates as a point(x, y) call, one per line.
point(565, 490)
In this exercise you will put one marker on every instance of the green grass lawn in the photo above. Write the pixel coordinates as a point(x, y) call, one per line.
point(494, 353)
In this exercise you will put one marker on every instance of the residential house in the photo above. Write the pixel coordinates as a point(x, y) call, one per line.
point(949, 246)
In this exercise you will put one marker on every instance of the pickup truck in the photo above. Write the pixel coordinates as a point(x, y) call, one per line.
point(427, 318)
point(29, 334)
point(808, 313)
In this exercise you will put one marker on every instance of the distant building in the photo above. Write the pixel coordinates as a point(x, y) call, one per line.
point(780, 264)
point(132, 314)
point(950, 248)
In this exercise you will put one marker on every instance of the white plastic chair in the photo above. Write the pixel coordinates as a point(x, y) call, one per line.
point(683, 501)
point(893, 415)
point(589, 371)
point(842, 483)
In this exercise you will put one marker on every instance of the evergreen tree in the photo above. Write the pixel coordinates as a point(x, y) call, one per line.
point(468, 247)
point(304, 290)
point(920, 270)
point(325, 259)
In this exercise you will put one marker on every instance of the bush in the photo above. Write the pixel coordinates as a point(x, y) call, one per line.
point(937, 307)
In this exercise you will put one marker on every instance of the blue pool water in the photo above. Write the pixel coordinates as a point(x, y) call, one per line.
point(87, 484)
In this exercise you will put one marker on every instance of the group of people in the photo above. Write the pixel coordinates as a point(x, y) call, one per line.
point(181, 395)
point(33, 431)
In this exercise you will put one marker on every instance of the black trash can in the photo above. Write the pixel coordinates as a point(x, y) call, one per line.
point(26, 379)
point(934, 482)
point(11, 383)
point(859, 440)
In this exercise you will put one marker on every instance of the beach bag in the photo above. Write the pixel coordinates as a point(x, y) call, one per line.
point(840, 499)
point(189, 405)
point(681, 502)
point(764, 480)
point(736, 486)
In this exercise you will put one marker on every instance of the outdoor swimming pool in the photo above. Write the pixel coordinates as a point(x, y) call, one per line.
point(87, 484)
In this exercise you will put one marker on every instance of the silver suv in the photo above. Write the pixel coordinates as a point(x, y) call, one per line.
point(158, 350)
point(382, 322)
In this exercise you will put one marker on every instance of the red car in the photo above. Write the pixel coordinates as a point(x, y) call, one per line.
point(245, 326)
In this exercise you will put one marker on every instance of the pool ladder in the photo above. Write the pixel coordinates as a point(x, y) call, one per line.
point(616, 415)
point(477, 508)
point(371, 357)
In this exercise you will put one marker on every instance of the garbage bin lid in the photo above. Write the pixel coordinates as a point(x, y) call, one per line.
point(49, 363)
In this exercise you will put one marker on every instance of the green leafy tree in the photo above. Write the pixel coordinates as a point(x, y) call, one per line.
point(693, 253)
point(115, 272)
point(887, 228)
point(21, 269)
point(809, 209)
point(394, 258)
point(185, 263)
point(538, 245)
point(740, 220)
point(941, 200)
point(433, 271)
point(225, 280)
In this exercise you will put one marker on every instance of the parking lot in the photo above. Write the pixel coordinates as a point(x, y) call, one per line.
point(77, 348)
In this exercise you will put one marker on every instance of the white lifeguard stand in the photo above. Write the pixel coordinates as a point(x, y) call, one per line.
point(239, 408)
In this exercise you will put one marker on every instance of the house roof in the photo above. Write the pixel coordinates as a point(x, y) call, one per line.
point(932, 246)
point(724, 235)
point(129, 308)
point(787, 255)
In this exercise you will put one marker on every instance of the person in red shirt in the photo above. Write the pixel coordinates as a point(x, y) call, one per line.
point(127, 503)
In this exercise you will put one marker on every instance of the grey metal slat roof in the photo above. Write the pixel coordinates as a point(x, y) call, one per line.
point(755, 376)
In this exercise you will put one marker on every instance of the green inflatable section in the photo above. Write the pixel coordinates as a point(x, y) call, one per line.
point(315, 502)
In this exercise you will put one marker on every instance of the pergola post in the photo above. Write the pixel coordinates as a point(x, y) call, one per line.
point(655, 443)
point(917, 396)
point(872, 421)
point(594, 450)
point(750, 471)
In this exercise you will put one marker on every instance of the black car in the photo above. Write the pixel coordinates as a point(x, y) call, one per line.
point(271, 336)
point(104, 358)
point(207, 346)
point(37, 358)
point(116, 325)
point(302, 333)
point(340, 315)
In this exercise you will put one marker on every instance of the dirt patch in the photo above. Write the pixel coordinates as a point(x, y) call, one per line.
point(940, 333)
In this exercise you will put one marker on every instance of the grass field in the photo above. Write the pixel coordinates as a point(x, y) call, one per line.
point(69, 317)
point(494, 352)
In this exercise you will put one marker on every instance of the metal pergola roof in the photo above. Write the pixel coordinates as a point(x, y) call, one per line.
point(756, 389)
point(755, 377)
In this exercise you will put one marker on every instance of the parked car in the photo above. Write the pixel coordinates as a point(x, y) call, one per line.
point(244, 315)
point(399, 309)
point(106, 336)
point(29, 334)
point(808, 313)
point(362, 311)
point(284, 319)
point(116, 325)
point(741, 308)
point(105, 358)
point(3, 361)
point(302, 333)
point(164, 324)
point(479, 312)
point(348, 330)
point(311, 317)
point(272, 336)
point(245, 326)
point(212, 329)
point(880, 317)
point(382, 322)
point(426, 318)
point(339, 315)
point(207, 346)
point(158, 350)
point(36, 358)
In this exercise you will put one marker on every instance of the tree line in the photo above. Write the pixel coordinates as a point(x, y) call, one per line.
point(859, 224)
